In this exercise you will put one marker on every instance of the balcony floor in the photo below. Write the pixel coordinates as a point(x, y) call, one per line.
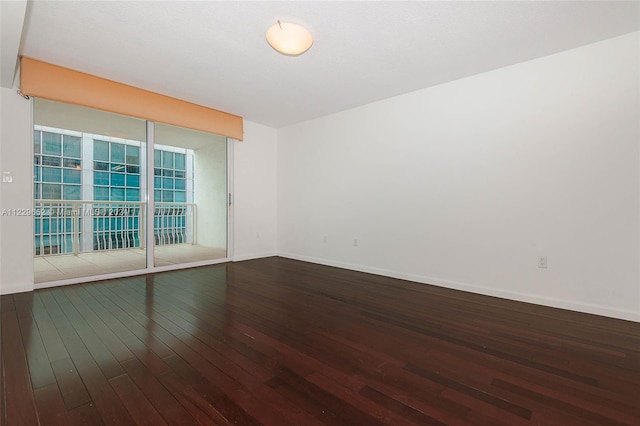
point(66, 266)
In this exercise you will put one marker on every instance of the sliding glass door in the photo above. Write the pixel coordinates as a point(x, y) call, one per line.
point(111, 196)
point(190, 196)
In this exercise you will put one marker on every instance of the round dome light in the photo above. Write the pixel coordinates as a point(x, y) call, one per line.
point(289, 38)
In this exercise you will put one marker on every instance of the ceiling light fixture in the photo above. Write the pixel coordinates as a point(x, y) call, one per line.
point(289, 38)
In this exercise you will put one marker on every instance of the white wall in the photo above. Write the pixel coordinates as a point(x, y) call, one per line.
point(254, 188)
point(16, 232)
point(465, 184)
point(210, 194)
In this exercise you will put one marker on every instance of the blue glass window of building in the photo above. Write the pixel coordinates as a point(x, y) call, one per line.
point(116, 177)
point(170, 175)
point(57, 175)
point(113, 191)
point(57, 162)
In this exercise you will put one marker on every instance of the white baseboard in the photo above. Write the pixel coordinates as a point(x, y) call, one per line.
point(472, 288)
point(240, 258)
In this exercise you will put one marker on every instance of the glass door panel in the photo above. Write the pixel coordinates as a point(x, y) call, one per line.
point(190, 196)
point(89, 192)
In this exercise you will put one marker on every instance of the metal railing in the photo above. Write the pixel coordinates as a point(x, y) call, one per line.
point(65, 227)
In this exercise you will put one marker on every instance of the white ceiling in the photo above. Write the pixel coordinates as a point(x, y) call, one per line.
point(215, 53)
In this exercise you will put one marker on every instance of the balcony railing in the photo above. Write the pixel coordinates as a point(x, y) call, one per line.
point(72, 227)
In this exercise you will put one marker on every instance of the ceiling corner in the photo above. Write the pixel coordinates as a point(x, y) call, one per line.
point(12, 20)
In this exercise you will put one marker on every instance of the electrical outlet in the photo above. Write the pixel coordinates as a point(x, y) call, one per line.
point(355, 242)
point(257, 234)
point(542, 262)
point(324, 239)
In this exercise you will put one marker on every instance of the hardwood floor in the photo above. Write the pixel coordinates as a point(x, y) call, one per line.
point(277, 341)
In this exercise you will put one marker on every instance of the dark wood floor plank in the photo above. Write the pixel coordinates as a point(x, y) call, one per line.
point(381, 412)
point(428, 391)
point(599, 414)
point(472, 391)
point(74, 392)
point(141, 332)
point(208, 392)
point(233, 344)
point(85, 415)
point(251, 378)
point(138, 405)
point(18, 393)
point(209, 342)
point(39, 365)
point(278, 341)
point(163, 402)
point(200, 409)
point(392, 374)
point(307, 403)
point(398, 407)
point(507, 356)
point(101, 355)
point(7, 302)
point(328, 402)
point(113, 343)
point(387, 375)
point(136, 345)
point(490, 369)
point(102, 395)
point(250, 402)
point(51, 408)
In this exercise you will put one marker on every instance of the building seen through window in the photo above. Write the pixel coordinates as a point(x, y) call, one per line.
point(102, 181)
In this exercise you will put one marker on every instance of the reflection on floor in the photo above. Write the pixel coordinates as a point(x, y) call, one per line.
point(60, 267)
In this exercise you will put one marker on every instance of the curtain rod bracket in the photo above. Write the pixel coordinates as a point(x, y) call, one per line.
point(23, 95)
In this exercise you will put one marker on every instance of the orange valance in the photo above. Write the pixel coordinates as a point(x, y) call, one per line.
point(48, 81)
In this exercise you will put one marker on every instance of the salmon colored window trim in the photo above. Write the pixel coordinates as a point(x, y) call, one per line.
point(55, 83)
